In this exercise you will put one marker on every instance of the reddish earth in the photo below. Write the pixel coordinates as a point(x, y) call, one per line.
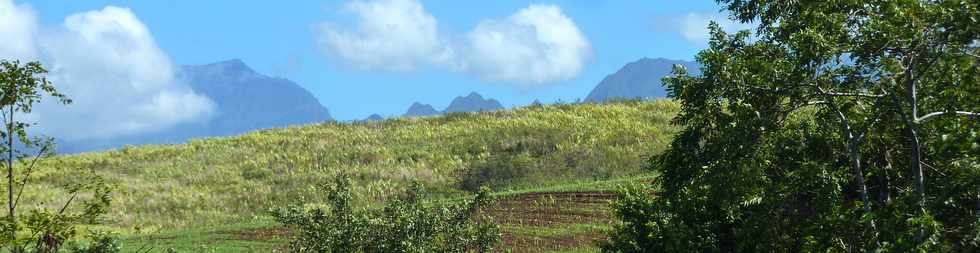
point(263, 234)
point(526, 212)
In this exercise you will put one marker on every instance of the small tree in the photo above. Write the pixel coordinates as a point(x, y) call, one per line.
point(21, 87)
point(406, 224)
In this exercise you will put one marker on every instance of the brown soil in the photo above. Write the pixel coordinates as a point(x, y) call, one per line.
point(263, 234)
point(551, 210)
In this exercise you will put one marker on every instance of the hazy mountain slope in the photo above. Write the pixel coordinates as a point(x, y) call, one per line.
point(244, 101)
point(247, 100)
point(639, 79)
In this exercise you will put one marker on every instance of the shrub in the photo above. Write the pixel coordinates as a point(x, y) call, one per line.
point(495, 171)
point(405, 224)
point(101, 242)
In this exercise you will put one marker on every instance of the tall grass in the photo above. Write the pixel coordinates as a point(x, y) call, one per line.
point(214, 180)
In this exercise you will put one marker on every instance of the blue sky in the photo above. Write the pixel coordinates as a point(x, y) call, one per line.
point(281, 39)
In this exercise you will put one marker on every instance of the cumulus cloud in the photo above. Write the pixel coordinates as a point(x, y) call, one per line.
point(18, 29)
point(535, 45)
point(391, 35)
point(109, 64)
point(694, 26)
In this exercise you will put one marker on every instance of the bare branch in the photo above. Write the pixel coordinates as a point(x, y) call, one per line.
point(826, 93)
point(852, 94)
point(28, 174)
point(67, 203)
point(935, 114)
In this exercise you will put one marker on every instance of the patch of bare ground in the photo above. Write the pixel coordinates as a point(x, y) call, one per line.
point(263, 234)
point(554, 211)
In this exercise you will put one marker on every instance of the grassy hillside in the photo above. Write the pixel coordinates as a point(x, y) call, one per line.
point(221, 180)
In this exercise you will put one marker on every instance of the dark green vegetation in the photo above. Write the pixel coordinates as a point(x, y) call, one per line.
point(843, 126)
point(407, 223)
point(214, 195)
point(27, 228)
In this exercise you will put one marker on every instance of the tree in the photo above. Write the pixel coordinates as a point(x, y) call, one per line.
point(813, 134)
point(21, 87)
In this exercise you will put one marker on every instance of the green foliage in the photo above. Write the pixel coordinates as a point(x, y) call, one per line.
point(41, 229)
point(496, 171)
point(100, 242)
point(839, 126)
point(406, 224)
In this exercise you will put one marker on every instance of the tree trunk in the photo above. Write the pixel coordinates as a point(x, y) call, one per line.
point(920, 186)
point(10, 163)
point(854, 153)
point(10, 171)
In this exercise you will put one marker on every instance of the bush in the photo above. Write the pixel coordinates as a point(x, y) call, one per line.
point(405, 224)
point(495, 171)
point(101, 242)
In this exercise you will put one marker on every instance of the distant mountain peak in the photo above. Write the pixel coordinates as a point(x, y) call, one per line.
point(232, 61)
point(474, 102)
point(374, 117)
point(473, 95)
point(419, 109)
point(640, 79)
point(228, 66)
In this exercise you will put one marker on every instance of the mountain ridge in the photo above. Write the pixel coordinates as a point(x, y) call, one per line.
point(640, 79)
point(244, 99)
point(473, 102)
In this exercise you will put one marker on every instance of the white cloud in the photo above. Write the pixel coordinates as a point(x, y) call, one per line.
point(535, 45)
point(694, 26)
point(18, 29)
point(109, 64)
point(538, 44)
point(391, 35)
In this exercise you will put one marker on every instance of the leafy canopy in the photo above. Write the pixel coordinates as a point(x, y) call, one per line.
point(837, 126)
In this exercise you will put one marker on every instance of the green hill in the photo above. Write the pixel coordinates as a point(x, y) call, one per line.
point(237, 179)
